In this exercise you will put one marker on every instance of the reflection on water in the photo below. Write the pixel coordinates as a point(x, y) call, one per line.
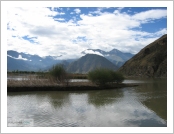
point(155, 96)
point(99, 99)
point(145, 105)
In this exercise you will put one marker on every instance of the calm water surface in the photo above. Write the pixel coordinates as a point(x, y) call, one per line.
point(142, 106)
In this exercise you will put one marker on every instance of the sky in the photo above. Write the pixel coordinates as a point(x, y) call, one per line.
point(67, 31)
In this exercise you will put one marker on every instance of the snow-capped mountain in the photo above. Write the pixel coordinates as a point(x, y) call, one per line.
point(115, 56)
point(27, 62)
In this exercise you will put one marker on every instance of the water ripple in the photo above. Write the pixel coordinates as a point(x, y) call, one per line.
point(125, 107)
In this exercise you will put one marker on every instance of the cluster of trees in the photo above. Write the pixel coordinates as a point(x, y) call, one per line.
point(100, 76)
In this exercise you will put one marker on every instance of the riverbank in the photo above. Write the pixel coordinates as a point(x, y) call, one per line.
point(78, 86)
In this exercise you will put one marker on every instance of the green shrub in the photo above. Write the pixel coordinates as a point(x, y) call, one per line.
point(102, 76)
point(118, 77)
point(59, 74)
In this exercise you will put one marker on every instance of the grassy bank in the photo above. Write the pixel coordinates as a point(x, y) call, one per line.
point(57, 79)
point(45, 75)
point(32, 83)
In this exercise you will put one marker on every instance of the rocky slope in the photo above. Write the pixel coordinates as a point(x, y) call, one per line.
point(151, 61)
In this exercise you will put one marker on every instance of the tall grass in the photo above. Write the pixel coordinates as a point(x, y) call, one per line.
point(34, 80)
point(31, 80)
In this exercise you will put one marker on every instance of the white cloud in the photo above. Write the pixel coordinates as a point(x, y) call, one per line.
point(104, 31)
point(92, 52)
point(150, 15)
point(77, 10)
point(61, 13)
point(60, 19)
point(120, 8)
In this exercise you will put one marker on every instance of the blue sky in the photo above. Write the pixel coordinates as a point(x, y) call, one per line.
point(68, 31)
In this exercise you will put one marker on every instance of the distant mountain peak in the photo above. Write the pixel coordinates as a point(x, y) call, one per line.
point(115, 56)
point(115, 50)
point(89, 62)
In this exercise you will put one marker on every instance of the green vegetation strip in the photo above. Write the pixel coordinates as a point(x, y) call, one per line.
point(57, 79)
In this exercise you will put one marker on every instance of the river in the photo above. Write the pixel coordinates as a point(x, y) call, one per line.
point(141, 106)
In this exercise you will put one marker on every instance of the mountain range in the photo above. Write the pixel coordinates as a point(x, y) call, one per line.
point(27, 62)
point(115, 56)
point(151, 61)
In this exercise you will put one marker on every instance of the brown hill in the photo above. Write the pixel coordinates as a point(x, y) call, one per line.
point(151, 61)
point(89, 62)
